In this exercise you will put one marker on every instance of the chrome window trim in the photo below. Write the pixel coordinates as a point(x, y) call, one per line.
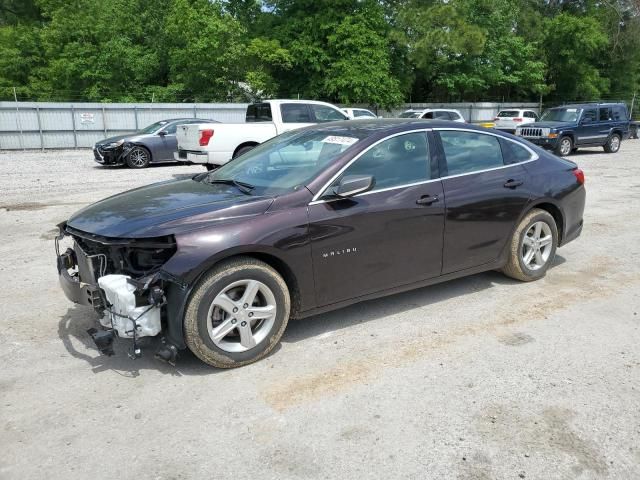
point(534, 156)
point(316, 197)
point(388, 189)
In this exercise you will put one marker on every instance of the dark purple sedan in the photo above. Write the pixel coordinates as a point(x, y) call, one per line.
point(310, 221)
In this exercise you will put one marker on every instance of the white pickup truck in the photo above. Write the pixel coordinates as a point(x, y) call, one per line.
point(214, 144)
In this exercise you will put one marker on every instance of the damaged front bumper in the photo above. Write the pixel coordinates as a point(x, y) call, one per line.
point(123, 281)
point(113, 156)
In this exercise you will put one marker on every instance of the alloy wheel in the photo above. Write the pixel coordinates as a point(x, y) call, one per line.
point(138, 157)
point(565, 146)
point(537, 245)
point(614, 143)
point(241, 315)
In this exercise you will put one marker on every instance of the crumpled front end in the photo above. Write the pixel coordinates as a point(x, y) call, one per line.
point(112, 154)
point(123, 280)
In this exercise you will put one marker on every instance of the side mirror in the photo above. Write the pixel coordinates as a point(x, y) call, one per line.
point(162, 133)
point(353, 184)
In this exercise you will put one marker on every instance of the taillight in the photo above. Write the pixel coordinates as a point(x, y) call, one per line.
point(496, 119)
point(579, 174)
point(517, 119)
point(205, 136)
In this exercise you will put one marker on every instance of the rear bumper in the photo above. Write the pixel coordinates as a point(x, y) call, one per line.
point(573, 211)
point(215, 158)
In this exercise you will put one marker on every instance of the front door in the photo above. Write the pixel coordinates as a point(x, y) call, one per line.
point(387, 237)
point(589, 130)
point(486, 191)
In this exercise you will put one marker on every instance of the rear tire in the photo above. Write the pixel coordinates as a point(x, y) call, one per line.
point(564, 147)
point(532, 247)
point(243, 150)
point(237, 313)
point(613, 144)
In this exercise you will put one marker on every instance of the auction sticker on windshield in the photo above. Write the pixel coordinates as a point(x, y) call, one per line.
point(340, 140)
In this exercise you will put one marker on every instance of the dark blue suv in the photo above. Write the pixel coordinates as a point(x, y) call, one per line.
point(565, 129)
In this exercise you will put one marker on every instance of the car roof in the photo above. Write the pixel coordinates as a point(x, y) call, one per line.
point(366, 127)
point(424, 110)
point(588, 105)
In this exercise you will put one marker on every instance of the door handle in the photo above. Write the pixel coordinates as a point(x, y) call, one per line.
point(513, 183)
point(427, 199)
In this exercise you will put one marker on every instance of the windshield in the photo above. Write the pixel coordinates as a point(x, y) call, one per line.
point(561, 115)
point(410, 114)
point(287, 161)
point(154, 127)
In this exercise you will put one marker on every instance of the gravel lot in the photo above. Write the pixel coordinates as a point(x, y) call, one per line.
point(478, 378)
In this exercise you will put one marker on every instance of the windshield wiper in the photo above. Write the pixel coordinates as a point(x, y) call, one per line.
point(242, 186)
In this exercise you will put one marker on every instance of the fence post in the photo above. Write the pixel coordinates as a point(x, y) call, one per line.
point(18, 122)
point(135, 114)
point(471, 113)
point(104, 122)
point(195, 111)
point(73, 122)
point(40, 128)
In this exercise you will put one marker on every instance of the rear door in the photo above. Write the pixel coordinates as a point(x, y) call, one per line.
point(485, 191)
point(384, 238)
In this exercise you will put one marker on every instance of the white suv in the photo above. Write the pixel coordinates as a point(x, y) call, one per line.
point(434, 113)
point(509, 120)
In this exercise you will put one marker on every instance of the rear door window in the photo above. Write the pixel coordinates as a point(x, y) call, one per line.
point(454, 116)
point(259, 112)
point(323, 113)
point(443, 115)
point(363, 113)
point(467, 152)
point(295, 113)
point(605, 114)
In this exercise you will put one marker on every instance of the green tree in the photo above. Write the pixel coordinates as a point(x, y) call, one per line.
point(574, 47)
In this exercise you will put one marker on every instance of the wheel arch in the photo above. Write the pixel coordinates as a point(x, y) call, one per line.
point(180, 295)
point(250, 143)
point(555, 211)
point(146, 147)
point(265, 255)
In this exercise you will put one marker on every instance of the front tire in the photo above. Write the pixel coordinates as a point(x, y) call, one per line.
point(613, 144)
point(237, 313)
point(564, 147)
point(138, 157)
point(532, 247)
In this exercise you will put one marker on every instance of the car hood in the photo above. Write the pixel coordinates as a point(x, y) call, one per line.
point(166, 208)
point(131, 137)
point(549, 124)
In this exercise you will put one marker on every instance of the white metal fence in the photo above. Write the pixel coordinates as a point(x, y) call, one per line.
point(44, 125)
point(64, 125)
